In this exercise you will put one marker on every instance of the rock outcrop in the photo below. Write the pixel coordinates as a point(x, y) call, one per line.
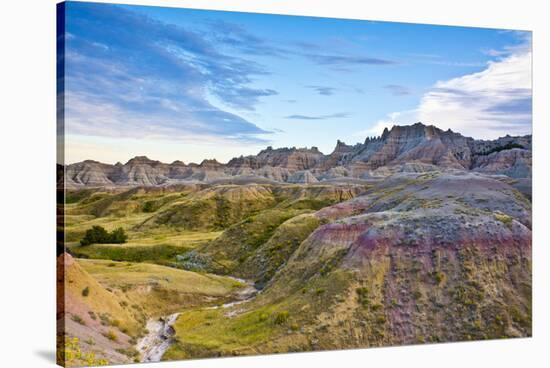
point(289, 158)
point(304, 177)
point(515, 163)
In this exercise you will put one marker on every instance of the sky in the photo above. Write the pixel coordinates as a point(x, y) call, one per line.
point(182, 84)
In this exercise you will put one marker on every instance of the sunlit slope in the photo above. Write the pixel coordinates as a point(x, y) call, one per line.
point(159, 290)
point(163, 223)
point(107, 304)
point(418, 258)
point(97, 317)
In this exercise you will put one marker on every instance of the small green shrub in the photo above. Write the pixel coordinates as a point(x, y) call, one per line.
point(281, 317)
point(111, 335)
point(98, 235)
point(376, 307)
point(149, 206)
point(381, 319)
point(86, 291)
point(105, 320)
point(118, 236)
point(129, 352)
point(78, 320)
point(439, 277)
point(363, 296)
point(362, 291)
point(505, 219)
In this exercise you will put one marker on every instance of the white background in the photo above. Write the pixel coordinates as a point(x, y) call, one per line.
point(27, 202)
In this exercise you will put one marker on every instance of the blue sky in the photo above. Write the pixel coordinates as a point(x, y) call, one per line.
point(187, 84)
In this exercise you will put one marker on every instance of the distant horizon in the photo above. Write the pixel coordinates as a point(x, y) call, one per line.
point(175, 82)
point(125, 161)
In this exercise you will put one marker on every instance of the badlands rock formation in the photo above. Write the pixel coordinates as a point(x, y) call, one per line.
point(415, 148)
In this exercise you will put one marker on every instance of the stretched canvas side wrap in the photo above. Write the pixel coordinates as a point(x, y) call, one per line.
point(242, 184)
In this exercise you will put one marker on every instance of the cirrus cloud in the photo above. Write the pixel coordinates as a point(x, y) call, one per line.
point(338, 115)
point(128, 75)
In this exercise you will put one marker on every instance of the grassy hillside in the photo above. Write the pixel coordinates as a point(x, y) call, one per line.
point(159, 290)
point(415, 258)
point(267, 324)
point(161, 248)
point(107, 304)
point(422, 258)
point(164, 223)
point(215, 208)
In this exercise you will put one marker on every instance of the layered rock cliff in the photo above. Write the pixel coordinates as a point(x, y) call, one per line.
point(416, 147)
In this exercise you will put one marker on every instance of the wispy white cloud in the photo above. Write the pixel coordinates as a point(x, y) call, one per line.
point(338, 115)
point(142, 78)
point(491, 103)
point(523, 46)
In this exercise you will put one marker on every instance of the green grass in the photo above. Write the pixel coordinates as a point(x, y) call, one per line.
point(215, 208)
point(159, 222)
point(111, 335)
point(158, 289)
point(129, 210)
point(161, 254)
point(75, 196)
point(78, 319)
point(202, 333)
point(77, 224)
point(272, 254)
point(439, 277)
point(505, 219)
point(309, 203)
point(265, 322)
point(241, 240)
point(138, 273)
point(158, 246)
point(315, 295)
